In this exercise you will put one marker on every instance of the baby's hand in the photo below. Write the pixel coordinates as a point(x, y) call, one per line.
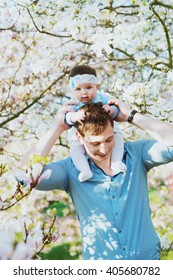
point(78, 116)
point(109, 109)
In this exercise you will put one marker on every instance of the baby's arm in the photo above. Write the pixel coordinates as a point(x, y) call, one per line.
point(111, 110)
point(105, 99)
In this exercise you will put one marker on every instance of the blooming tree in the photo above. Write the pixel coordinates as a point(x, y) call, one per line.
point(130, 45)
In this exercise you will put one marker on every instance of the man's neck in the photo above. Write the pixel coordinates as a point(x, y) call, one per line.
point(105, 166)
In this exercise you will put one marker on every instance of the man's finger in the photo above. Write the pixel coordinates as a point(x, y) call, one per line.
point(113, 101)
point(69, 103)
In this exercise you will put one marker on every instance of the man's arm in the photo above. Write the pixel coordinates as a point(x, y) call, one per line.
point(161, 131)
point(45, 144)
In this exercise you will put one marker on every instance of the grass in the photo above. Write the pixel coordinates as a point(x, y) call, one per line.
point(64, 251)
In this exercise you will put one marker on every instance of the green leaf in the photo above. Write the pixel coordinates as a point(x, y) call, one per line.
point(37, 159)
point(19, 237)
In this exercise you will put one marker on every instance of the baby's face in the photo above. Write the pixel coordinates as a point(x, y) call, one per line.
point(85, 93)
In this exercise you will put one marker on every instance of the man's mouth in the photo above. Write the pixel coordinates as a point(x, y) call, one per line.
point(102, 155)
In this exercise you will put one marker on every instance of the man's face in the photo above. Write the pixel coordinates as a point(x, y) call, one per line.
point(99, 147)
point(85, 93)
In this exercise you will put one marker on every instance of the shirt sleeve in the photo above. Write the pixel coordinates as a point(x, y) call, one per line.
point(68, 116)
point(104, 97)
point(155, 153)
point(116, 111)
point(54, 176)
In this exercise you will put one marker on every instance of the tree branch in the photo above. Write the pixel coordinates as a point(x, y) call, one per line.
point(13, 79)
point(3, 208)
point(166, 33)
point(33, 102)
point(45, 32)
point(12, 26)
point(120, 7)
point(158, 3)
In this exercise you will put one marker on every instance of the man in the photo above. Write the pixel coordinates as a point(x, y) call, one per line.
point(113, 211)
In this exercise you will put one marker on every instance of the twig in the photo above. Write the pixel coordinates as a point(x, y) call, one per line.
point(166, 33)
point(33, 102)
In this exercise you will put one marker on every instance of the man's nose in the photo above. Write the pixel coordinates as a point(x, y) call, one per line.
point(103, 149)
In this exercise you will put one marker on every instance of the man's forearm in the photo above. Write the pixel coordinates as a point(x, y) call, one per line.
point(161, 131)
point(44, 145)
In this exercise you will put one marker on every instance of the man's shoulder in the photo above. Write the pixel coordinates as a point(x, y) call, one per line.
point(133, 143)
point(64, 162)
point(137, 145)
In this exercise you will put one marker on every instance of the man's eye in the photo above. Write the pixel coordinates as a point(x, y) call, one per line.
point(109, 140)
point(95, 144)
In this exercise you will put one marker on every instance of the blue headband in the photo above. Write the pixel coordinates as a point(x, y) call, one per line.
point(83, 79)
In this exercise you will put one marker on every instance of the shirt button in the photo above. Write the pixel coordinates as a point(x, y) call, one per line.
point(120, 232)
point(124, 248)
point(116, 214)
point(113, 196)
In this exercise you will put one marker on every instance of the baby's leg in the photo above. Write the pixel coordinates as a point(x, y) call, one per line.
point(117, 154)
point(77, 153)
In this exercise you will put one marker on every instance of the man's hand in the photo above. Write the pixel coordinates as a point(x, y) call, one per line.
point(66, 107)
point(124, 109)
point(109, 109)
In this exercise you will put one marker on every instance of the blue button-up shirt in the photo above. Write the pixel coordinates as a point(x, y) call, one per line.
point(114, 212)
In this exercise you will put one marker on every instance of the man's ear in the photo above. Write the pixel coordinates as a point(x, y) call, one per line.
point(79, 136)
point(97, 86)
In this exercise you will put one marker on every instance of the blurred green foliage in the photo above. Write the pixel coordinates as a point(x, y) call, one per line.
point(60, 207)
point(64, 251)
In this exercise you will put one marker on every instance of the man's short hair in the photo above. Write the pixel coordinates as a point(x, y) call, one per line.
point(96, 119)
point(82, 69)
